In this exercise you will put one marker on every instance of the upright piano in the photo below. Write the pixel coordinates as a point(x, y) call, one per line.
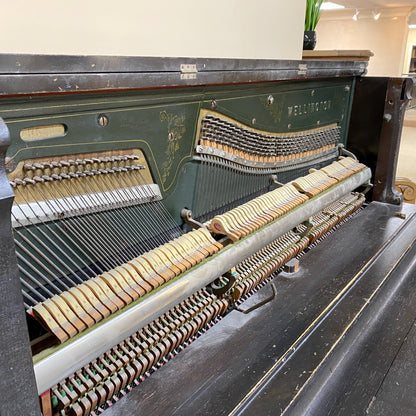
point(188, 236)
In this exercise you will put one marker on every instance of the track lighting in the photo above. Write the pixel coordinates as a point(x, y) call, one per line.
point(355, 17)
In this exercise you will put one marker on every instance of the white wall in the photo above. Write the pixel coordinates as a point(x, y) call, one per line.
point(214, 28)
point(386, 37)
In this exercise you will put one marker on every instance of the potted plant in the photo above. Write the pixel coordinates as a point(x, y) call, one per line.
point(313, 13)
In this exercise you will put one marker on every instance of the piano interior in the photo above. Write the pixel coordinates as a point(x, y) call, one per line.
point(197, 242)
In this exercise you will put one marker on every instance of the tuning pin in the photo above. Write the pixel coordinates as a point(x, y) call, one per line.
point(39, 166)
point(28, 167)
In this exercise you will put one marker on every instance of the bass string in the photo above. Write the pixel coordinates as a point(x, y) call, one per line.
point(82, 235)
point(165, 220)
point(103, 223)
point(59, 203)
point(42, 276)
point(53, 235)
point(95, 226)
point(142, 215)
point(44, 258)
point(130, 215)
point(54, 251)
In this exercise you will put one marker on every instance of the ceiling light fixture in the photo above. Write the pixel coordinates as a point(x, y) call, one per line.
point(355, 17)
point(376, 15)
point(329, 5)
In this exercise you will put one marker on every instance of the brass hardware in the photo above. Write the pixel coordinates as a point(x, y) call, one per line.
point(263, 302)
point(43, 132)
point(102, 120)
point(186, 215)
point(219, 289)
point(274, 182)
point(407, 188)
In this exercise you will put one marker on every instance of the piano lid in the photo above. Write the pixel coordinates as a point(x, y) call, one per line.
point(46, 74)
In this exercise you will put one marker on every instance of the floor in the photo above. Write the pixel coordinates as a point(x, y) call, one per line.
point(407, 155)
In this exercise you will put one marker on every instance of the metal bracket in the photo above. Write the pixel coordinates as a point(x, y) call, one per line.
point(274, 182)
point(186, 215)
point(398, 94)
point(263, 302)
point(345, 152)
point(368, 186)
point(218, 290)
point(309, 225)
point(188, 71)
point(303, 69)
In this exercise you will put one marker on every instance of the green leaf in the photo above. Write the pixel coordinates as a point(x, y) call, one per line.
point(312, 14)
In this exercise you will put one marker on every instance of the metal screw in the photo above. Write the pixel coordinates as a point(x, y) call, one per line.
point(213, 104)
point(9, 163)
point(171, 136)
point(347, 88)
point(270, 100)
point(289, 126)
point(253, 121)
point(103, 120)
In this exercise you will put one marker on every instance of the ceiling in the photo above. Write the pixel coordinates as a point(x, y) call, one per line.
point(370, 4)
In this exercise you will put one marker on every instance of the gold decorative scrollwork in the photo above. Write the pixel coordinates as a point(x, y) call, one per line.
point(407, 188)
point(176, 130)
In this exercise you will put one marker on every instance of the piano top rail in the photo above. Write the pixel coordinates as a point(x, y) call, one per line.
point(47, 74)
